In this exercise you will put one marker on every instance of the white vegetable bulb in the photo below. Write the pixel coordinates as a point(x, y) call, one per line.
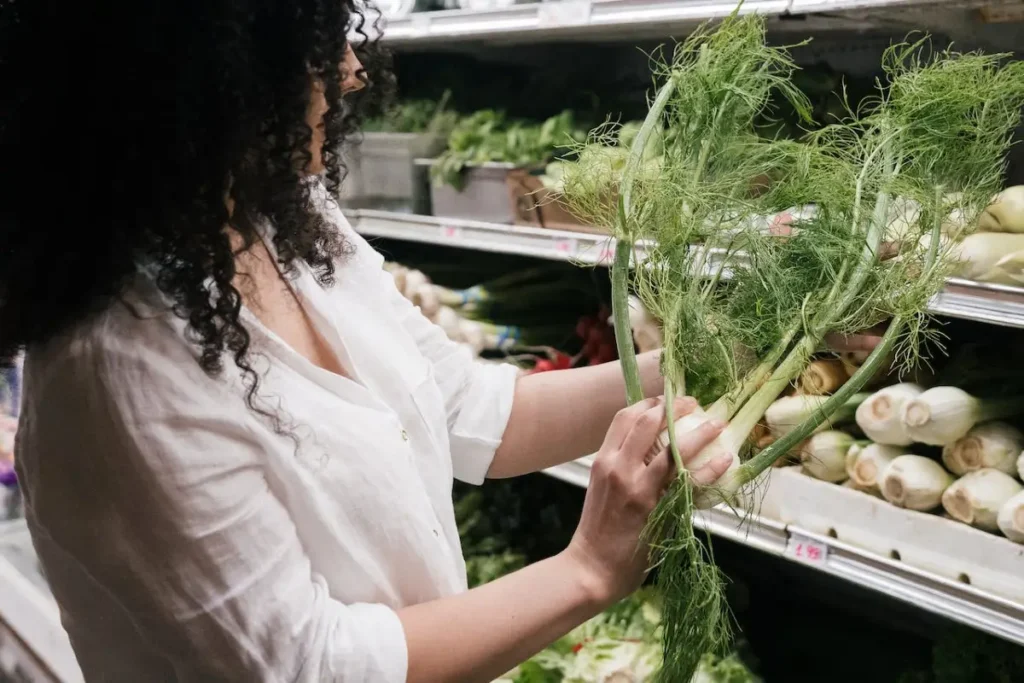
point(977, 497)
point(646, 331)
point(824, 455)
point(399, 274)
point(979, 253)
point(1005, 213)
point(728, 443)
point(414, 279)
point(915, 482)
point(879, 417)
point(1020, 466)
point(427, 300)
point(474, 335)
point(1009, 270)
point(787, 413)
point(449, 321)
point(865, 464)
point(941, 415)
point(1011, 518)
point(956, 224)
point(903, 217)
point(993, 445)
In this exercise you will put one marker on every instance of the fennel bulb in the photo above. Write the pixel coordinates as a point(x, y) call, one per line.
point(789, 412)
point(980, 255)
point(977, 497)
point(1011, 518)
point(866, 463)
point(1005, 213)
point(915, 482)
point(823, 376)
point(879, 415)
point(993, 445)
point(824, 455)
point(646, 331)
point(942, 415)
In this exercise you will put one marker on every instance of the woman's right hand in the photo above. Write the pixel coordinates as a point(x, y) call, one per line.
point(629, 476)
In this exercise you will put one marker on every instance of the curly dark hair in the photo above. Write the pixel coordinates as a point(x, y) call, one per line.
point(124, 128)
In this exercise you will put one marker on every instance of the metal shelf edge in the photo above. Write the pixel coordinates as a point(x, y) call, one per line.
point(606, 17)
point(961, 603)
point(980, 302)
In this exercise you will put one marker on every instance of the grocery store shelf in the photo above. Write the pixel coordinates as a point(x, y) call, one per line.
point(952, 599)
point(993, 304)
point(630, 18)
point(503, 239)
point(565, 17)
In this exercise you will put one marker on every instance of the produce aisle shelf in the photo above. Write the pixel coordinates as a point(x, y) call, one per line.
point(954, 600)
point(993, 304)
point(604, 18)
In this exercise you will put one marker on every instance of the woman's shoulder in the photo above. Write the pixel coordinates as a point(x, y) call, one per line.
point(122, 354)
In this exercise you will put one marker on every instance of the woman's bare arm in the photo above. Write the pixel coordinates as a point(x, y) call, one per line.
point(479, 635)
point(562, 415)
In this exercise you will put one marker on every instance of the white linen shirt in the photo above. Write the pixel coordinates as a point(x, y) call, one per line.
point(185, 539)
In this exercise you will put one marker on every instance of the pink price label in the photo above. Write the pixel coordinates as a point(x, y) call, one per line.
point(566, 247)
point(450, 232)
point(807, 551)
point(606, 255)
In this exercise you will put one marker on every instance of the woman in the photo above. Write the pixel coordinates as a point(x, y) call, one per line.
point(238, 440)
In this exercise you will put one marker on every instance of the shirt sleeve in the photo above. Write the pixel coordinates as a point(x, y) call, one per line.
point(477, 395)
point(149, 479)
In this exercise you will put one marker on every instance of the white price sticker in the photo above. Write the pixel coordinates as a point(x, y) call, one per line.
point(563, 13)
point(566, 247)
point(807, 551)
point(451, 232)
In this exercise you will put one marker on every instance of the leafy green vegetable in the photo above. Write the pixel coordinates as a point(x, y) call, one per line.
point(963, 655)
point(487, 136)
point(415, 116)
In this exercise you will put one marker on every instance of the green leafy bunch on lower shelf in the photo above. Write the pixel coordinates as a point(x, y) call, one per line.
point(504, 524)
point(623, 644)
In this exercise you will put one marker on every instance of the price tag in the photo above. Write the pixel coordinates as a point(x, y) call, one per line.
point(606, 255)
point(566, 247)
point(451, 232)
point(563, 13)
point(807, 551)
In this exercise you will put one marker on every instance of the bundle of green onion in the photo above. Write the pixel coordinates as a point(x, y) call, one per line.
point(744, 310)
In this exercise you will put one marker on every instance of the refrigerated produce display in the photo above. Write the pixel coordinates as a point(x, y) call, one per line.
point(545, 202)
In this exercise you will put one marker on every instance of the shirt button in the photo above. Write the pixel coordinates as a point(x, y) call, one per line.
point(405, 435)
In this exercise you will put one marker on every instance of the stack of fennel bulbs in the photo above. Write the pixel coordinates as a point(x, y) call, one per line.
point(743, 311)
point(994, 251)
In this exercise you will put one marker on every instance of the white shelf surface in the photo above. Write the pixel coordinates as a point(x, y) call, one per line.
point(993, 304)
point(954, 600)
point(603, 18)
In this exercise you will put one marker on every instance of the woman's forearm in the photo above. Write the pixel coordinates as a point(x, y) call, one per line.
point(563, 415)
point(479, 635)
